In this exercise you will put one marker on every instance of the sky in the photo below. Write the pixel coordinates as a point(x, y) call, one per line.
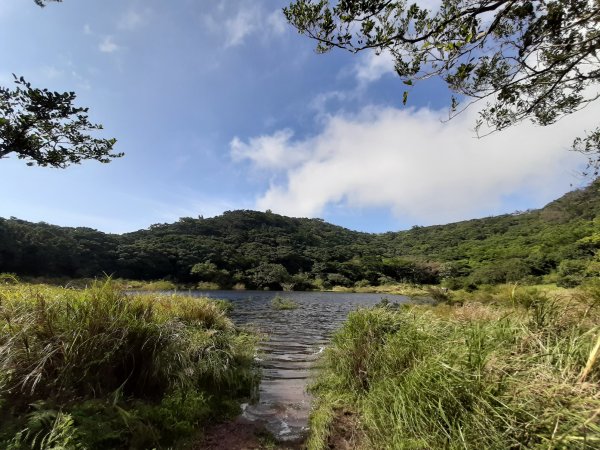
point(222, 105)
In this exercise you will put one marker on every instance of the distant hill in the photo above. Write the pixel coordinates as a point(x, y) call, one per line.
point(559, 242)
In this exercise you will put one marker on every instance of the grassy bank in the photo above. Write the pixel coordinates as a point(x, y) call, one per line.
point(120, 283)
point(510, 368)
point(98, 369)
point(407, 289)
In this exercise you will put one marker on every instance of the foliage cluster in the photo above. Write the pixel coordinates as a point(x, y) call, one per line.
point(532, 59)
point(558, 243)
point(46, 129)
point(98, 369)
point(519, 372)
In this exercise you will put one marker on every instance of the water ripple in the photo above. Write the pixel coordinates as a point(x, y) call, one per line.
point(295, 339)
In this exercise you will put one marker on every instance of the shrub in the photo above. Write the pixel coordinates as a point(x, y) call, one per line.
point(207, 286)
point(571, 273)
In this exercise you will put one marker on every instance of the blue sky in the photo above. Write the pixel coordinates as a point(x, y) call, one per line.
point(222, 105)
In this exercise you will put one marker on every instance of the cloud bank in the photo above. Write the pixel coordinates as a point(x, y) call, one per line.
point(407, 160)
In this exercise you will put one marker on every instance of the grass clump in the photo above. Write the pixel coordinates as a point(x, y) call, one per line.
point(407, 289)
point(282, 303)
point(98, 369)
point(522, 373)
point(159, 285)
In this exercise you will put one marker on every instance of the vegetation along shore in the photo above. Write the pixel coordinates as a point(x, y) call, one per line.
point(506, 355)
point(506, 368)
point(482, 334)
point(255, 250)
point(98, 369)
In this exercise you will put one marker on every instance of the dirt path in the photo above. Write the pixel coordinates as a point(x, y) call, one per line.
point(242, 434)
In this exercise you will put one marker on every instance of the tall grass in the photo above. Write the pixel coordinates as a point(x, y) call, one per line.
point(520, 373)
point(410, 290)
point(159, 285)
point(112, 367)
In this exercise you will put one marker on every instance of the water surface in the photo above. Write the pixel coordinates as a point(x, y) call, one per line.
point(295, 338)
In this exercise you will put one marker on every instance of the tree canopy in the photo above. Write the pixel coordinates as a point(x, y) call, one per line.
point(43, 3)
point(559, 243)
point(536, 60)
point(46, 128)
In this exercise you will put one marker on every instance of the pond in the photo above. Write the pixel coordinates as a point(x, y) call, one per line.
point(295, 339)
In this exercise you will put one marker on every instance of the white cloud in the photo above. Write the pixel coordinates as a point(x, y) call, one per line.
point(132, 19)
point(87, 29)
point(276, 22)
point(243, 23)
point(274, 151)
point(408, 161)
point(235, 22)
point(108, 45)
point(321, 103)
point(371, 66)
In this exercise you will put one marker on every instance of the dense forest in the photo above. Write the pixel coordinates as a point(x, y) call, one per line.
point(558, 243)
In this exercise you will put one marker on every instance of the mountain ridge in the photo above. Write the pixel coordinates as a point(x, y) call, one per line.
point(260, 249)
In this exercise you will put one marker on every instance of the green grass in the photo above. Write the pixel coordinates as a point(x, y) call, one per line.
point(97, 369)
point(282, 303)
point(158, 285)
point(407, 289)
point(519, 371)
point(85, 282)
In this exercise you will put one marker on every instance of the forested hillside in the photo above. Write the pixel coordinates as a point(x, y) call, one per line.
point(557, 243)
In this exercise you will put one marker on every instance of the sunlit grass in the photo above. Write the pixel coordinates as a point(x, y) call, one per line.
point(519, 370)
point(409, 290)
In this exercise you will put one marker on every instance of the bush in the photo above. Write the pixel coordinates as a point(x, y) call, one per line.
point(336, 279)
point(571, 273)
point(440, 295)
point(207, 286)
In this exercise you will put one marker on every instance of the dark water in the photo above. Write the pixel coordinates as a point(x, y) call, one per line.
point(295, 338)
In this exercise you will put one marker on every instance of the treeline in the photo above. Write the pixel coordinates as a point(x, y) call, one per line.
point(558, 243)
